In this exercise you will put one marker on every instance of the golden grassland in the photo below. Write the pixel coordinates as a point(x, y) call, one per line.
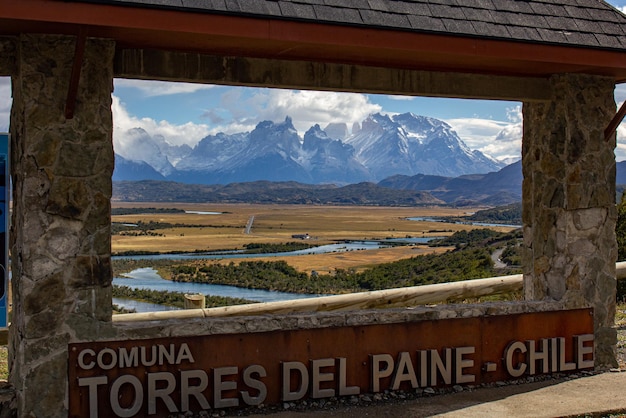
point(277, 224)
point(328, 262)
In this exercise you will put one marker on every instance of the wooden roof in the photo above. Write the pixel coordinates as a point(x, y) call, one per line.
point(588, 23)
point(504, 37)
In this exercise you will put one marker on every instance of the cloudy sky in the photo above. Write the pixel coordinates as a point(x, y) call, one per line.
point(186, 113)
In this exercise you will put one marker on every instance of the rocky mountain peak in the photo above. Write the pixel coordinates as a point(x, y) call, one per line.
point(378, 147)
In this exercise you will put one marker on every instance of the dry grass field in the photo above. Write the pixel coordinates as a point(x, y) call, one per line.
point(277, 224)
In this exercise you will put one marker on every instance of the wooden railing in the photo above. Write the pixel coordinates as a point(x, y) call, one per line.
point(389, 298)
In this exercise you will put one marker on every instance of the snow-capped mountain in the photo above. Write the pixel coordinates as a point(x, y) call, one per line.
point(328, 160)
point(141, 147)
point(213, 152)
point(134, 170)
point(378, 147)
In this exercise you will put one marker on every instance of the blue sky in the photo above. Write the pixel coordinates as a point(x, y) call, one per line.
point(185, 113)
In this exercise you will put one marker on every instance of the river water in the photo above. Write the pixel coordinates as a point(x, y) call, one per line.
point(444, 220)
point(320, 249)
point(147, 278)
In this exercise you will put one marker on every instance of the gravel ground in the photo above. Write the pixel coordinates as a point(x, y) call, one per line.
point(620, 324)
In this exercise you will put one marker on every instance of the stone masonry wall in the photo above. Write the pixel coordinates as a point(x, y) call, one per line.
point(267, 323)
point(569, 210)
point(7, 56)
point(60, 237)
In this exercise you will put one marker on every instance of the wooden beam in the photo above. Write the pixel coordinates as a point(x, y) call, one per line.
point(617, 119)
point(389, 298)
point(260, 72)
point(72, 91)
point(265, 37)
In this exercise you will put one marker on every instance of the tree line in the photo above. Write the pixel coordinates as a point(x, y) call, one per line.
point(176, 299)
point(471, 261)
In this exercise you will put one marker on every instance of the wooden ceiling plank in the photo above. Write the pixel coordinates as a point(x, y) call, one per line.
point(260, 72)
point(207, 33)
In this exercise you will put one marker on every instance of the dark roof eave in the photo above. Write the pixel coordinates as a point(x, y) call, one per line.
point(176, 5)
point(279, 38)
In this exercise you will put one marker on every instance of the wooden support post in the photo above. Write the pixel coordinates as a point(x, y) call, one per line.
point(617, 119)
point(72, 91)
point(195, 301)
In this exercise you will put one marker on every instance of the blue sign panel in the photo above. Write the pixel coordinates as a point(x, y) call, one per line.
point(4, 228)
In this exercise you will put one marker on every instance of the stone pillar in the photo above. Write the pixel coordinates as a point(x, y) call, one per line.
point(60, 234)
point(569, 211)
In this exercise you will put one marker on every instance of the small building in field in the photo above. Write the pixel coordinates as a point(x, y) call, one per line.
point(301, 236)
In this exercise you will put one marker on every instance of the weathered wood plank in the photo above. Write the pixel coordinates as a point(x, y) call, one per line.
point(388, 298)
point(257, 72)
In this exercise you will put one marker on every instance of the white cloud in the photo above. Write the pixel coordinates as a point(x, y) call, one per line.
point(620, 97)
point(237, 113)
point(501, 140)
point(153, 88)
point(188, 133)
point(5, 103)
point(620, 93)
point(401, 98)
point(307, 108)
point(620, 151)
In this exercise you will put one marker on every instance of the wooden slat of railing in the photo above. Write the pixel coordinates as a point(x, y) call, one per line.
point(389, 298)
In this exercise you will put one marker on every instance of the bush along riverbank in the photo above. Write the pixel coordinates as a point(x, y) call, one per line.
point(465, 264)
point(471, 259)
point(176, 299)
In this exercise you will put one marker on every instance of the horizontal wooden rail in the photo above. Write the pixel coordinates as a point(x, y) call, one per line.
point(620, 270)
point(389, 298)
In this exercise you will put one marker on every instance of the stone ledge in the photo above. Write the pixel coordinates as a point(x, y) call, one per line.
point(267, 323)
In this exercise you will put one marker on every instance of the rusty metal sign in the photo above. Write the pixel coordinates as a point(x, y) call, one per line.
point(159, 377)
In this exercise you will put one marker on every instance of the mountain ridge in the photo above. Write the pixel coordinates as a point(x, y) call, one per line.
point(393, 191)
point(380, 146)
point(269, 193)
point(499, 188)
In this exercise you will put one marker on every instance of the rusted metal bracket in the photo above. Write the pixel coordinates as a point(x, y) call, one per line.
point(72, 91)
point(617, 119)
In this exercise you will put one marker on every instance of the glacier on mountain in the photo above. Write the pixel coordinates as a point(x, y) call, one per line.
point(378, 147)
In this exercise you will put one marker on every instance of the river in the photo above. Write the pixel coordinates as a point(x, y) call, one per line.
point(444, 220)
point(320, 249)
point(147, 278)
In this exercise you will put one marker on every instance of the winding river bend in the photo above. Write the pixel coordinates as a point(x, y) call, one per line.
point(320, 249)
point(147, 278)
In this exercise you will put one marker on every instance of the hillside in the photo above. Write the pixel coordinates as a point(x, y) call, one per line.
point(493, 189)
point(270, 192)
